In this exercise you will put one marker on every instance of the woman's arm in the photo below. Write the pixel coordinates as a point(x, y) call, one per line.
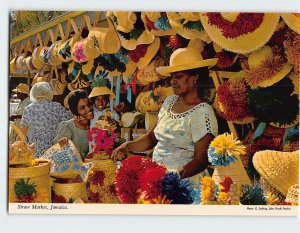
point(200, 160)
point(143, 143)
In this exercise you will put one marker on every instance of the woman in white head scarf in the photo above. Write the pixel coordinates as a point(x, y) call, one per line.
point(42, 117)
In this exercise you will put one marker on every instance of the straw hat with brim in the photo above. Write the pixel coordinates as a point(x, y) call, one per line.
point(148, 74)
point(13, 65)
point(225, 30)
point(279, 169)
point(85, 50)
point(20, 61)
point(65, 48)
point(259, 73)
point(96, 91)
point(178, 21)
point(38, 78)
point(78, 84)
point(125, 20)
point(157, 24)
point(22, 88)
point(28, 63)
point(145, 38)
point(186, 59)
point(36, 59)
point(66, 99)
point(292, 20)
point(87, 68)
point(53, 54)
point(57, 87)
point(106, 39)
point(293, 195)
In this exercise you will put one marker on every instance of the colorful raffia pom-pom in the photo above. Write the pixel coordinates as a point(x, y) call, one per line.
point(224, 149)
point(252, 195)
point(178, 190)
point(208, 189)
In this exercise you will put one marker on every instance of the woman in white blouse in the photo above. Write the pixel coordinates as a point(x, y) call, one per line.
point(186, 124)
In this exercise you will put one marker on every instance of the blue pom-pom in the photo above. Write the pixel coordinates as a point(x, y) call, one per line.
point(219, 159)
point(176, 189)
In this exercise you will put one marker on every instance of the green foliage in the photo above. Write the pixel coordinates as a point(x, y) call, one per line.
point(23, 188)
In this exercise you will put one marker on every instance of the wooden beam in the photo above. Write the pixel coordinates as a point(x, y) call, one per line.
point(46, 26)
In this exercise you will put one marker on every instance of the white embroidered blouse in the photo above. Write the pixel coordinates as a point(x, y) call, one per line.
point(177, 133)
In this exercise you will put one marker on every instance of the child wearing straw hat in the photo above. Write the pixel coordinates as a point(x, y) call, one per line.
point(100, 97)
point(186, 124)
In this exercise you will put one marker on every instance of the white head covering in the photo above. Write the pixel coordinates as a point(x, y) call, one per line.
point(41, 91)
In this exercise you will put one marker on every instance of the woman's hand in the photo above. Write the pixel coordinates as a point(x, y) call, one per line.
point(78, 118)
point(120, 152)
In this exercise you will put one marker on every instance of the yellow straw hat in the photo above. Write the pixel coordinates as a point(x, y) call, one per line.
point(293, 195)
point(57, 87)
point(106, 38)
point(151, 51)
point(66, 99)
point(292, 20)
point(158, 23)
point(86, 69)
point(259, 73)
point(186, 59)
point(38, 78)
point(96, 91)
point(36, 59)
point(65, 48)
point(279, 169)
point(20, 61)
point(240, 32)
point(124, 24)
point(12, 65)
point(53, 54)
point(148, 74)
point(22, 88)
point(28, 63)
point(181, 20)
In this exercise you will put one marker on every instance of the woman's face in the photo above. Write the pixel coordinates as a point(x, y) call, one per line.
point(84, 109)
point(101, 101)
point(182, 83)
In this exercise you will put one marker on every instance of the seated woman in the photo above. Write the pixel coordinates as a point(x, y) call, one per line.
point(76, 128)
point(186, 124)
point(100, 97)
point(42, 117)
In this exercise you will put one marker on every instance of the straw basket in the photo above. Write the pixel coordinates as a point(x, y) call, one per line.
point(100, 182)
point(70, 191)
point(150, 119)
point(235, 170)
point(293, 195)
point(39, 175)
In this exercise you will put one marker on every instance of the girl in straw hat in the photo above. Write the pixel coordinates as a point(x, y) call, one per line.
point(100, 97)
point(186, 124)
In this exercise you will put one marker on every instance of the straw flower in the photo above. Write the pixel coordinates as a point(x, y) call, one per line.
point(224, 149)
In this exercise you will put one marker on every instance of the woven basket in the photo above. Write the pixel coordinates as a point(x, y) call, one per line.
point(70, 190)
point(235, 170)
point(102, 190)
point(37, 174)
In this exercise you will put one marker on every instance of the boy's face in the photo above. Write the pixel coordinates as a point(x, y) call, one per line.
point(101, 102)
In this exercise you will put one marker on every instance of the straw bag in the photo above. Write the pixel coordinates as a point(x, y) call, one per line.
point(235, 170)
point(68, 192)
point(100, 182)
point(29, 179)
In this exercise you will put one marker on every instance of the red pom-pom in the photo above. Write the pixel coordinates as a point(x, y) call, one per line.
point(150, 182)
